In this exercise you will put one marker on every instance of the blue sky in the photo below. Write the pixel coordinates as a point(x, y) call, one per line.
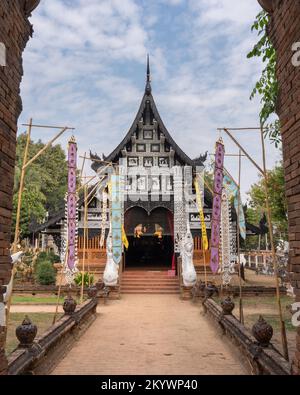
point(85, 67)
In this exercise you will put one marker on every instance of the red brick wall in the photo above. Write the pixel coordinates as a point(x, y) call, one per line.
point(284, 30)
point(15, 31)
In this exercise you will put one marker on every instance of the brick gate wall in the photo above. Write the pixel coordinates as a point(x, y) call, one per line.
point(284, 30)
point(15, 31)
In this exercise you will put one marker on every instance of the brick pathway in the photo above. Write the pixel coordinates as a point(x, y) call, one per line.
point(150, 334)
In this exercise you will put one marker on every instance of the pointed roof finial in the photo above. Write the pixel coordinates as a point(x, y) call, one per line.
point(148, 83)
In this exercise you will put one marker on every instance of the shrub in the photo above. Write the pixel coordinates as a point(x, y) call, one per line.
point(45, 273)
point(53, 258)
point(88, 279)
point(42, 256)
point(47, 256)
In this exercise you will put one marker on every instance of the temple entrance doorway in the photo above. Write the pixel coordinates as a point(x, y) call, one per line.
point(150, 236)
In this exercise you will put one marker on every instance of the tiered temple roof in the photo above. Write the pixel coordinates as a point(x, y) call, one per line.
point(148, 112)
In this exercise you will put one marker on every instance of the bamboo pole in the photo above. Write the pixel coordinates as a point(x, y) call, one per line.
point(84, 244)
point(229, 175)
point(86, 183)
point(240, 129)
point(91, 179)
point(18, 215)
point(275, 263)
point(91, 194)
point(101, 161)
point(238, 244)
point(244, 151)
point(265, 176)
point(47, 126)
point(45, 147)
point(206, 184)
point(82, 167)
point(60, 284)
point(87, 240)
point(204, 260)
point(234, 155)
point(21, 188)
point(203, 249)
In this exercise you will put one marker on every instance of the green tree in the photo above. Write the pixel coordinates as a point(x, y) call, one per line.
point(32, 208)
point(46, 273)
point(267, 85)
point(45, 182)
point(278, 205)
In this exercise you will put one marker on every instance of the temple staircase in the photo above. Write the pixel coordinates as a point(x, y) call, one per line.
point(148, 282)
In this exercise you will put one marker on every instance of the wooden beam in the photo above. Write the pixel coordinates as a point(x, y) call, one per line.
point(244, 151)
point(48, 127)
point(21, 187)
point(45, 147)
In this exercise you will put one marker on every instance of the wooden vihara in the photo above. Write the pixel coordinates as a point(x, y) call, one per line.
point(136, 144)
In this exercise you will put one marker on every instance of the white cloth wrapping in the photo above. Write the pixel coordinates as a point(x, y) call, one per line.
point(111, 272)
point(189, 274)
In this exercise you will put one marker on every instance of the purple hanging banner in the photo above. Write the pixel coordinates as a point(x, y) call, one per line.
point(72, 205)
point(216, 214)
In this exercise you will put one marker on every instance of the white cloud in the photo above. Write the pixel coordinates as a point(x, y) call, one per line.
point(85, 67)
point(173, 2)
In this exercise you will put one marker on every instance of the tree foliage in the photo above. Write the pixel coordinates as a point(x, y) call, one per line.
point(278, 205)
point(45, 273)
point(267, 85)
point(45, 182)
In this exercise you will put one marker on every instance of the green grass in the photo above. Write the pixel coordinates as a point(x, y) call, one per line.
point(268, 303)
point(272, 319)
point(31, 299)
point(42, 320)
point(262, 301)
point(41, 299)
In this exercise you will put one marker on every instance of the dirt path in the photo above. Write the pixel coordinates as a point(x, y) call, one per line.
point(150, 334)
point(18, 308)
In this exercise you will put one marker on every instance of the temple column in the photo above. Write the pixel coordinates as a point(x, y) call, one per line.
point(15, 31)
point(284, 31)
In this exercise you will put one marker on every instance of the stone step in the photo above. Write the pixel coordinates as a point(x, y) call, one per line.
point(164, 276)
point(159, 282)
point(156, 286)
point(148, 282)
point(146, 274)
point(154, 292)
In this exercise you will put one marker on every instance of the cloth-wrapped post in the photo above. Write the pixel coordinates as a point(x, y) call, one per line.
point(216, 214)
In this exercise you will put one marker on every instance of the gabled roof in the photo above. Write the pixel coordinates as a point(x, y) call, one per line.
point(148, 97)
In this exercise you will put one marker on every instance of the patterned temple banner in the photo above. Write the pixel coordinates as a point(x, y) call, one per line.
point(217, 203)
point(116, 219)
point(103, 217)
point(124, 238)
point(202, 219)
point(226, 238)
point(232, 187)
point(71, 213)
point(180, 214)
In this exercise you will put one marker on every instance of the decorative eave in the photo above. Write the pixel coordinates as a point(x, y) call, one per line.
point(148, 97)
point(116, 152)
